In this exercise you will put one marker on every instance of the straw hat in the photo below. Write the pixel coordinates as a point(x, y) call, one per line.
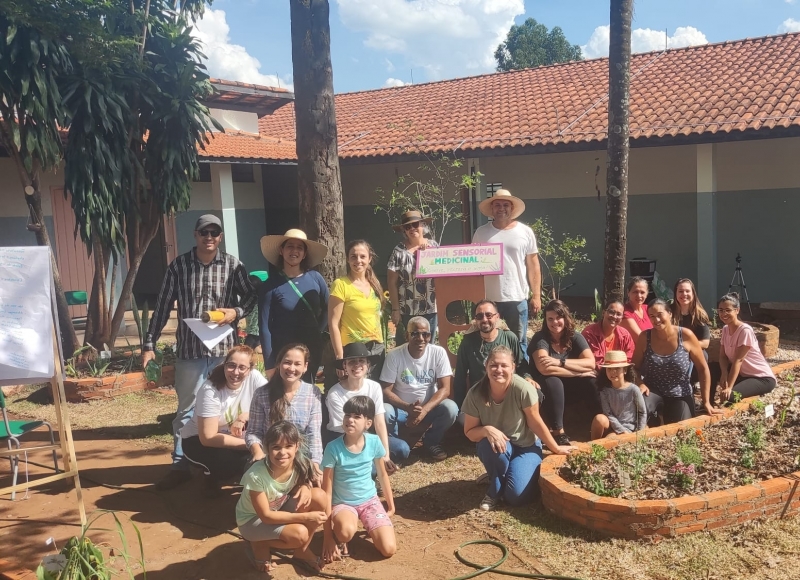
point(271, 247)
point(486, 205)
point(410, 217)
point(615, 359)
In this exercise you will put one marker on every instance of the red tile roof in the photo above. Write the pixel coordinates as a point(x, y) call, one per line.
point(236, 96)
point(233, 145)
point(737, 86)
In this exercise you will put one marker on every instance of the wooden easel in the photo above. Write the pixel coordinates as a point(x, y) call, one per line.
point(65, 442)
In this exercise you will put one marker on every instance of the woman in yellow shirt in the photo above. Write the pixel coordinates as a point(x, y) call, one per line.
point(355, 304)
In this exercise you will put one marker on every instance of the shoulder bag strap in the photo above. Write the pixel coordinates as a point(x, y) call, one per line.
point(300, 295)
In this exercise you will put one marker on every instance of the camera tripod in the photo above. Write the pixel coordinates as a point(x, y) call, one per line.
point(738, 282)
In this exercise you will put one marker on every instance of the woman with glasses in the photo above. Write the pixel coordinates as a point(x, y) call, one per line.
point(410, 296)
point(744, 368)
point(606, 334)
point(288, 398)
point(564, 367)
point(214, 437)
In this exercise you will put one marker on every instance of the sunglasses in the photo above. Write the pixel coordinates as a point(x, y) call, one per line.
point(211, 233)
point(411, 226)
point(418, 333)
point(486, 315)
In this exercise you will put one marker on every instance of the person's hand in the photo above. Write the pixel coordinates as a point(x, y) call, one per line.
point(535, 305)
point(303, 497)
point(725, 395)
point(711, 410)
point(258, 455)
point(391, 466)
point(316, 478)
point(230, 315)
point(497, 439)
point(390, 512)
point(237, 428)
point(591, 373)
point(563, 449)
point(330, 551)
point(315, 517)
point(147, 356)
point(423, 243)
point(532, 382)
point(551, 361)
point(416, 414)
point(341, 373)
point(644, 389)
point(396, 317)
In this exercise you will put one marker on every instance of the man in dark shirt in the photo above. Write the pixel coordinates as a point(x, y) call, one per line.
point(476, 346)
point(203, 279)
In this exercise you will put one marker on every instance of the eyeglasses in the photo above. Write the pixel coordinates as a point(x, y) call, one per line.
point(725, 310)
point(411, 226)
point(614, 314)
point(486, 315)
point(232, 366)
point(209, 233)
point(418, 333)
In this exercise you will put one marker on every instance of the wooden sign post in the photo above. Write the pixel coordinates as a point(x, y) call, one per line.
point(29, 328)
point(459, 272)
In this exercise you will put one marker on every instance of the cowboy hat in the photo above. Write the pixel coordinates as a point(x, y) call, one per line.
point(410, 217)
point(356, 350)
point(271, 247)
point(486, 205)
point(615, 359)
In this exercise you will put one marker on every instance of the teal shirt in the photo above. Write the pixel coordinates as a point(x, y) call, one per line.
point(352, 472)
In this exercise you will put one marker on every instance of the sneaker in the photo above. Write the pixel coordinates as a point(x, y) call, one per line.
point(211, 487)
point(437, 453)
point(173, 479)
point(488, 503)
point(562, 439)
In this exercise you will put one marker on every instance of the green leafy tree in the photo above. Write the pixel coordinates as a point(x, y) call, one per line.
point(531, 44)
point(558, 259)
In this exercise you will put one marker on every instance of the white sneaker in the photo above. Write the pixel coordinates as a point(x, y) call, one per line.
point(488, 503)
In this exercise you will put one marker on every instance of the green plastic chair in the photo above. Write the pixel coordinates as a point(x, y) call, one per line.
point(76, 297)
point(11, 431)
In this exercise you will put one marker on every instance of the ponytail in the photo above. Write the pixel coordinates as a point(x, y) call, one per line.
point(369, 274)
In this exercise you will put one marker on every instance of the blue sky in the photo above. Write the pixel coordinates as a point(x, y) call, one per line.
point(377, 43)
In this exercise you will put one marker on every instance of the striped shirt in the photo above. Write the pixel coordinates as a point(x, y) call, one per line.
point(198, 287)
point(304, 410)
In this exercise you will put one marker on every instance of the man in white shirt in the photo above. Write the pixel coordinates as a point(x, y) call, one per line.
point(416, 379)
point(521, 271)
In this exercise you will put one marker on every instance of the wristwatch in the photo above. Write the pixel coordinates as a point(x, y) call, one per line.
point(563, 362)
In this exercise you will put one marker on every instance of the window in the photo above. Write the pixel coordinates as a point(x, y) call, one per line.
point(491, 189)
point(240, 173)
point(205, 173)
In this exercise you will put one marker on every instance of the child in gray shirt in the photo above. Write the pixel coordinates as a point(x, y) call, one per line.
point(622, 402)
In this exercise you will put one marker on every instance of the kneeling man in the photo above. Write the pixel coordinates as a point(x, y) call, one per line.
point(416, 381)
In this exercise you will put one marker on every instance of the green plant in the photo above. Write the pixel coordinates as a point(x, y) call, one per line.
point(559, 259)
point(598, 453)
point(142, 319)
point(598, 307)
point(748, 457)
point(758, 406)
point(259, 366)
point(95, 366)
point(754, 436)
point(782, 418)
point(454, 342)
point(635, 460)
point(85, 561)
point(597, 485)
point(681, 475)
point(688, 454)
point(736, 396)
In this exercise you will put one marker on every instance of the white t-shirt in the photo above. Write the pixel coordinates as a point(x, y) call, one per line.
point(338, 396)
point(415, 378)
point(224, 403)
point(518, 243)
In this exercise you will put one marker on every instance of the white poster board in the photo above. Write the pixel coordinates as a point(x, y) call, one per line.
point(26, 320)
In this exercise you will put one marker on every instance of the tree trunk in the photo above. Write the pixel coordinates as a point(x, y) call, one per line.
point(318, 179)
point(69, 340)
point(619, 64)
point(98, 330)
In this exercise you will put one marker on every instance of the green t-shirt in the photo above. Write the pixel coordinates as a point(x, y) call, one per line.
point(506, 416)
point(258, 478)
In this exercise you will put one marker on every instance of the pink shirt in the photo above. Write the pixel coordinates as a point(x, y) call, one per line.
point(754, 363)
point(598, 345)
point(643, 321)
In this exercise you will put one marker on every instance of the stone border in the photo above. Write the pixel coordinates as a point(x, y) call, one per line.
point(81, 390)
point(657, 519)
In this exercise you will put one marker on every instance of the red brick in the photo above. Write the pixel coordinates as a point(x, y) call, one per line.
point(690, 503)
point(721, 523)
point(675, 521)
point(772, 510)
point(773, 486)
point(741, 507)
point(611, 528)
point(720, 498)
point(746, 492)
point(651, 506)
point(773, 500)
point(673, 429)
point(580, 498)
point(712, 514)
point(575, 518)
point(642, 520)
point(690, 528)
point(749, 516)
point(665, 531)
point(608, 504)
point(548, 486)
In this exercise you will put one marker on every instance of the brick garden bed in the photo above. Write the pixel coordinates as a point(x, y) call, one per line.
point(80, 390)
point(656, 519)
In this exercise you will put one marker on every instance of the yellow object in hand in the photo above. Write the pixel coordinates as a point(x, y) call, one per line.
point(212, 316)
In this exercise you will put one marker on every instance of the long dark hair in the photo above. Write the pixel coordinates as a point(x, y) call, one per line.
point(303, 262)
point(562, 311)
point(276, 388)
point(603, 382)
point(370, 273)
point(288, 432)
point(483, 385)
point(697, 314)
point(217, 376)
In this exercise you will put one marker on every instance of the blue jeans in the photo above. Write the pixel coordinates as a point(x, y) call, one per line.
point(440, 419)
point(190, 374)
point(513, 474)
point(400, 332)
point(516, 316)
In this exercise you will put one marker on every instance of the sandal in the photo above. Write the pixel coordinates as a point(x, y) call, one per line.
point(264, 566)
point(343, 551)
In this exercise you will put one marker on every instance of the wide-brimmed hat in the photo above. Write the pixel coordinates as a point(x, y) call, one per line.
point(410, 217)
point(486, 205)
point(615, 359)
point(271, 247)
point(356, 350)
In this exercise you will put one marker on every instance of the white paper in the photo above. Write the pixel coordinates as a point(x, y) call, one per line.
point(210, 333)
point(26, 320)
point(769, 410)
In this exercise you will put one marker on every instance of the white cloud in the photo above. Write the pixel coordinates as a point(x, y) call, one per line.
point(231, 61)
point(789, 25)
point(644, 40)
point(445, 38)
point(390, 82)
point(791, 2)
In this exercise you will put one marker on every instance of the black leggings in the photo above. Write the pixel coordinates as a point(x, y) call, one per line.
point(557, 389)
point(218, 462)
point(752, 386)
point(673, 409)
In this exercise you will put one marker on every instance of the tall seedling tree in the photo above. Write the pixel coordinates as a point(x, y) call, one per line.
point(619, 65)
point(318, 178)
